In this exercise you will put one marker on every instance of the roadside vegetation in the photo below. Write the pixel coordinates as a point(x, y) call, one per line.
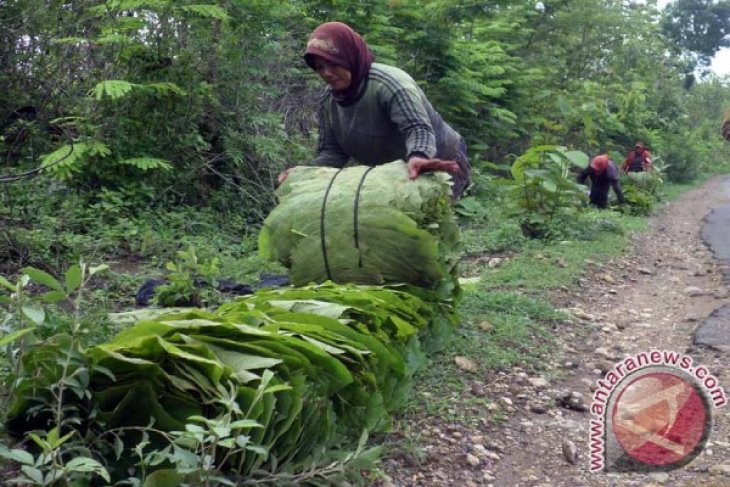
point(142, 140)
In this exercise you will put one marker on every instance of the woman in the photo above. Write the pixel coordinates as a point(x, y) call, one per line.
point(637, 160)
point(376, 113)
point(604, 175)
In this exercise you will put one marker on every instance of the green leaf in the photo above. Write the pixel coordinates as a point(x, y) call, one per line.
point(221, 430)
point(53, 296)
point(52, 437)
point(7, 284)
point(68, 40)
point(182, 456)
point(112, 38)
point(34, 314)
point(85, 464)
point(33, 474)
point(227, 443)
point(164, 88)
point(97, 148)
point(209, 11)
point(103, 370)
point(118, 447)
point(17, 455)
point(11, 337)
point(578, 158)
point(223, 481)
point(52, 475)
point(43, 459)
point(137, 4)
point(73, 278)
point(99, 268)
point(147, 163)
point(549, 186)
point(277, 388)
point(257, 449)
point(65, 161)
point(114, 89)
point(245, 423)
point(39, 441)
point(194, 428)
point(42, 277)
point(163, 478)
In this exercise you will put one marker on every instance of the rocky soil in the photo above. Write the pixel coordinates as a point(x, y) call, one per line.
point(653, 297)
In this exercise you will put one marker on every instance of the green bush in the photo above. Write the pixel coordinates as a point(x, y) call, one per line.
point(583, 226)
point(684, 156)
point(641, 189)
point(187, 274)
point(542, 187)
point(639, 202)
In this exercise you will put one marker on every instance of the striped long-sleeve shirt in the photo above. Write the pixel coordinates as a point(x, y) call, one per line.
point(391, 119)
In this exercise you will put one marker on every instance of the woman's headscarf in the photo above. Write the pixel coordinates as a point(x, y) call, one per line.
point(599, 164)
point(339, 44)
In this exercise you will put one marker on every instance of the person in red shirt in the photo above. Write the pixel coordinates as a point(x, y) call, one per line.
point(637, 160)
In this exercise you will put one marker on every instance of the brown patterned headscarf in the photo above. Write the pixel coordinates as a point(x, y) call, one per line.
point(339, 44)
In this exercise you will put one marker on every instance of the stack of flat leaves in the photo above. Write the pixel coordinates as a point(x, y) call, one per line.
point(364, 225)
point(339, 360)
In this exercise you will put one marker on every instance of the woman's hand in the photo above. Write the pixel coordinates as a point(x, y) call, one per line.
point(418, 165)
point(283, 175)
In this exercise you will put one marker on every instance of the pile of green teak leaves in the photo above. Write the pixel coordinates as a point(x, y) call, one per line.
point(339, 359)
point(364, 226)
point(267, 383)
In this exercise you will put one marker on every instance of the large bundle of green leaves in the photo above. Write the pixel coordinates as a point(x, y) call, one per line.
point(335, 360)
point(648, 181)
point(641, 190)
point(374, 228)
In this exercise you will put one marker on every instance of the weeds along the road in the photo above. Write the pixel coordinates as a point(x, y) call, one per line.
point(506, 316)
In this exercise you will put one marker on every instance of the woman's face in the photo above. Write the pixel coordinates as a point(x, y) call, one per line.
point(337, 77)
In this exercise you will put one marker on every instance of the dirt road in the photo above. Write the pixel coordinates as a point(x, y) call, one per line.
point(652, 298)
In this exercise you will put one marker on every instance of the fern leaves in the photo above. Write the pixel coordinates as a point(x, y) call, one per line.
point(209, 11)
point(68, 159)
point(117, 88)
point(147, 163)
point(164, 88)
point(113, 88)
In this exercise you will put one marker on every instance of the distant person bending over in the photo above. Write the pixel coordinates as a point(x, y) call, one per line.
point(604, 175)
point(726, 125)
point(637, 160)
point(376, 113)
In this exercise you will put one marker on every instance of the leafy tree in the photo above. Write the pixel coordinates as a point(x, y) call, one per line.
point(701, 27)
point(170, 102)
